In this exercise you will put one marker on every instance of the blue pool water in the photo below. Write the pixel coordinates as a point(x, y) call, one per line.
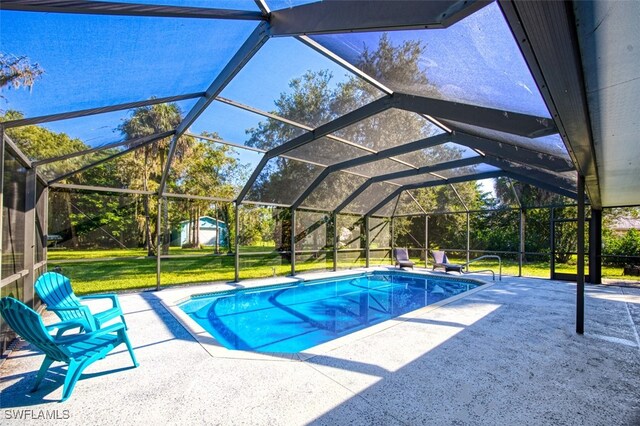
point(292, 318)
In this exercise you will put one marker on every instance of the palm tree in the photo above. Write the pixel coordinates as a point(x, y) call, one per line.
point(147, 121)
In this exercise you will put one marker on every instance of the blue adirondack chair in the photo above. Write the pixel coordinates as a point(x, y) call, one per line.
point(55, 290)
point(78, 350)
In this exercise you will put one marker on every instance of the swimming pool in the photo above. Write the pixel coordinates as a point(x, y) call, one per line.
point(294, 317)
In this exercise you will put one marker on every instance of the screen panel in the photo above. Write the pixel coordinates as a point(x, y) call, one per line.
point(333, 190)
point(380, 167)
point(243, 127)
point(371, 196)
point(388, 129)
point(293, 81)
point(282, 181)
point(327, 151)
point(438, 154)
point(475, 61)
point(56, 138)
point(92, 61)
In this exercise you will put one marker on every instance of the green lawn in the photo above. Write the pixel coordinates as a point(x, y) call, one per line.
point(66, 254)
point(139, 272)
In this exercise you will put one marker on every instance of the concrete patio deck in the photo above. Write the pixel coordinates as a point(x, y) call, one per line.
point(505, 355)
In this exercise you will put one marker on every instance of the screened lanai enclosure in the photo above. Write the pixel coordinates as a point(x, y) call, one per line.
point(176, 142)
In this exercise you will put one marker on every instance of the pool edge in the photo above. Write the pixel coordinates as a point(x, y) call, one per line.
point(216, 350)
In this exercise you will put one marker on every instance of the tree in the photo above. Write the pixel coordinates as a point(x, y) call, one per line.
point(617, 244)
point(531, 198)
point(17, 71)
point(147, 121)
point(37, 143)
point(314, 100)
point(207, 170)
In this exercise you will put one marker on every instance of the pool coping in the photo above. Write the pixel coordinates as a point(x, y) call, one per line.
point(171, 298)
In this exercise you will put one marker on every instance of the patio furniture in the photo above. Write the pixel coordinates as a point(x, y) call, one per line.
point(402, 258)
point(78, 350)
point(55, 290)
point(440, 261)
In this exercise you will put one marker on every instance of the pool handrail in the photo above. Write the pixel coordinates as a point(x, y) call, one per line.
point(486, 256)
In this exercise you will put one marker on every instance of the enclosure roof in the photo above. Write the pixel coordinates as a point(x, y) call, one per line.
point(407, 94)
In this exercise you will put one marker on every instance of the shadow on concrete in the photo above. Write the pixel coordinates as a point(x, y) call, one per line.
point(22, 396)
point(507, 367)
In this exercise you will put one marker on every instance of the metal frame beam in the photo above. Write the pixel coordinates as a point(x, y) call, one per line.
point(99, 110)
point(464, 162)
point(366, 159)
point(353, 16)
point(196, 197)
point(30, 188)
point(513, 152)
point(546, 180)
point(455, 191)
point(459, 179)
point(254, 42)
point(353, 196)
point(355, 116)
point(262, 151)
point(580, 261)
point(595, 247)
point(127, 9)
point(104, 160)
point(289, 122)
point(546, 34)
point(504, 121)
point(305, 127)
point(17, 152)
point(521, 233)
point(265, 114)
point(74, 187)
point(416, 202)
point(535, 182)
point(341, 122)
point(135, 141)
